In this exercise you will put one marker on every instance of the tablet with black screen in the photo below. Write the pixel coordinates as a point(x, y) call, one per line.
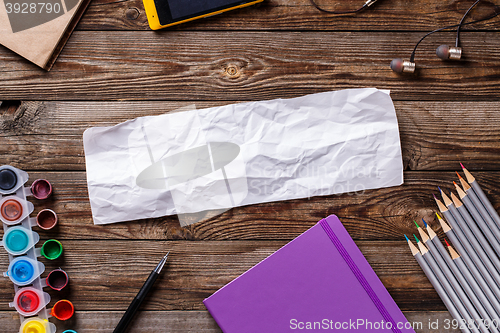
point(164, 13)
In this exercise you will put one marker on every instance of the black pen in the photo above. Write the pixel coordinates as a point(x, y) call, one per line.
point(134, 306)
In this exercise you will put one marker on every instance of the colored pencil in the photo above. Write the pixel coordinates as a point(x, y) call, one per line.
point(493, 235)
point(456, 279)
point(493, 309)
point(436, 284)
point(482, 197)
point(481, 209)
point(475, 235)
point(463, 307)
point(470, 243)
point(475, 265)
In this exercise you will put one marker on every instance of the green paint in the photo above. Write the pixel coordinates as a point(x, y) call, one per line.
point(52, 249)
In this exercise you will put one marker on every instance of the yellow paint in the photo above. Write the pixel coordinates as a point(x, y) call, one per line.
point(154, 21)
point(34, 326)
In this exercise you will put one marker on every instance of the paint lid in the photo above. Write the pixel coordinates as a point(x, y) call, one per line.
point(11, 179)
point(8, 179)
point(29, 301)
point(37, 325)
point(57, 279)
point(46, 219)
point(14, 210)
point(17, 240)
point(41, 189)
point(23, 270)
point(63, 310)
point(52, 249)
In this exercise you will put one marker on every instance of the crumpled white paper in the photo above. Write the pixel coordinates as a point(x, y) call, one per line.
point(241, 154)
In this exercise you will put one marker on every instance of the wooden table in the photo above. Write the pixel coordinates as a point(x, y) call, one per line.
point(114, 68)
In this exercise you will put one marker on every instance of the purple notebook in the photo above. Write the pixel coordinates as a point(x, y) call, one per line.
point(319, 281)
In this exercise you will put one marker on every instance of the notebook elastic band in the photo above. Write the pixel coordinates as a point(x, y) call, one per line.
point(362, 280)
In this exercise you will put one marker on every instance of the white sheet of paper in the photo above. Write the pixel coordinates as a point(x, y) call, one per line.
point(242, 154)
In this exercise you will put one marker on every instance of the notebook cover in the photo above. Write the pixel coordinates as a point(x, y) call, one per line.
point(308, 281)
point(38, 30)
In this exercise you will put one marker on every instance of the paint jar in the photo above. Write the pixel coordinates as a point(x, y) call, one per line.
point(41, 189)
point(37, 325)
point(11, 179)
point(23, 270)
point(8, 179)
point(14, 210)
point(29, 301)
point(18, 240)
point(63, 310)
point(57, 279)
point(52, 249)
point(46, 219)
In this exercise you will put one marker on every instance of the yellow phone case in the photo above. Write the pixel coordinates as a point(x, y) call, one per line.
point(154, 21)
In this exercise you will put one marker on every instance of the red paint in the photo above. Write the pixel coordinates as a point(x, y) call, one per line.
point(41, 189)
point(28, 301)
point(63, 310)
point(11, 210)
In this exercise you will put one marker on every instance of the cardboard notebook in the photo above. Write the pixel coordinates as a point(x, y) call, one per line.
point(38, 29)
point(319, 281)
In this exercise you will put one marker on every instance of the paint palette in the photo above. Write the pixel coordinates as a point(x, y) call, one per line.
point(19, 241)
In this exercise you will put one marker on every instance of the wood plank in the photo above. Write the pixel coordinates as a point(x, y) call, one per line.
point(298, 15)
point(106, 275)
point(252, 66)
point(190, 321)
point(383, 214)
point(434, 135)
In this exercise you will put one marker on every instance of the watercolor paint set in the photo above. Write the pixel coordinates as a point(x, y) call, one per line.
point(19, 241)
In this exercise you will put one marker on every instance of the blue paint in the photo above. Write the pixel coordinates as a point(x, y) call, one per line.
point(22, 271)
point(17, 240)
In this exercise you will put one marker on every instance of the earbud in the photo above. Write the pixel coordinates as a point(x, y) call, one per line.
point(402, 66)
point(446, 52)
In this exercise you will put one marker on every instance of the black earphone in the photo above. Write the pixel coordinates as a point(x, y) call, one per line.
point(444, 52)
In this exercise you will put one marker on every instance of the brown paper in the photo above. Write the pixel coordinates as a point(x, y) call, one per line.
point(38, 29)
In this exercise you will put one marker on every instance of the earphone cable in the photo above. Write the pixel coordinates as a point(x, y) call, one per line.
point(412, 57)
point(347, 12)
point(462, 21)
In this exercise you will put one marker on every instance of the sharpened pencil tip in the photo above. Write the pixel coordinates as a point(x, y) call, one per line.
point(416, 224)
point(462, 165)
point(458, 175)
point(416, 238)
point(440, 190)
point(439, 217)
point(434, 196)
point(407, 238)
point(425, 223)
point(446, 243)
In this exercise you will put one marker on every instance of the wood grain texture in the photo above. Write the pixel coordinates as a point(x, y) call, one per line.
point(231, 66)
point(299, 15)
point(47, 135)
point(383, 214)
point(106, 275)
point(189, 321)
